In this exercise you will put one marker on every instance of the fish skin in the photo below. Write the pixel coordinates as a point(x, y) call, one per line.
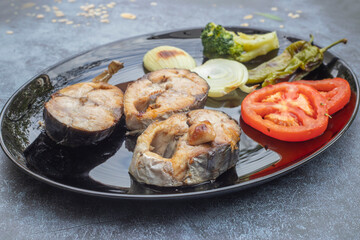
point(61, 123)
point(189, 165)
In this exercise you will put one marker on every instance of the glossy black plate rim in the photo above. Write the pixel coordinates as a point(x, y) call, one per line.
point(200, 194)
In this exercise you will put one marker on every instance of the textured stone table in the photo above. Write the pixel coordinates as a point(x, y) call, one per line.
point(317, 201)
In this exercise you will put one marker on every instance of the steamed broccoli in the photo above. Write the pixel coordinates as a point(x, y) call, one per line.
point(219, 42)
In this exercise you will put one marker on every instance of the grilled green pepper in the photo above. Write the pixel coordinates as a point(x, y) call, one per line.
point(298, 59)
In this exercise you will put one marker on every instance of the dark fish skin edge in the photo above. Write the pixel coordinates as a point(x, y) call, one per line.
point(215, 162)
point(71, 137)
point(200, 101)
point(225, 179)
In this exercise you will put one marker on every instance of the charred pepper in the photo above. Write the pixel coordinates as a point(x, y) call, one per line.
point(298, 59)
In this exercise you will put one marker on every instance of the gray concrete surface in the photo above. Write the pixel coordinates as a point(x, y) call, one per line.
point(318, 201)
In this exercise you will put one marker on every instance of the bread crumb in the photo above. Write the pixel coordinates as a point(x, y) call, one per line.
point(87, 7)
point(248, 17)
point(244, 24)
point(274, 9)
point(262, 20)
point(46, 8)
point(9, 32)
point(281, 26)
point(63, 20)
point(111, 5)
point(291, 15)
point(59, 13)
point(69, 22)
point(71, 1)
point(105, 16)
point(105, 20)
point(128, 16)
point(40, 16)
point(53, 20)
point(153, 3)
point(41, 123)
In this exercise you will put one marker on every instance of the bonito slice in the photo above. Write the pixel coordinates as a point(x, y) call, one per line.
point(83, 113)
point(186, 149)
point(158, 95)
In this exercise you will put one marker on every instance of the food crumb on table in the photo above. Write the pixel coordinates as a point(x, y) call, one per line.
point(59, 13)
point(128, 16)
point(248, 17)
point(291, 15)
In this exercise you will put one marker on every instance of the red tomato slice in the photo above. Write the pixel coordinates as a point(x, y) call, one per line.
point(336, 91)
point(286, 111)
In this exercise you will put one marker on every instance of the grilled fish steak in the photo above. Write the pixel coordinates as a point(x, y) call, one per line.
point(159, 94)
point(186, 149)
point(83, 113)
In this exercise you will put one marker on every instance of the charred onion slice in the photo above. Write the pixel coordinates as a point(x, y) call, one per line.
point(83, 113)
point(168, 57)
point(159, 94)
point(186, 149)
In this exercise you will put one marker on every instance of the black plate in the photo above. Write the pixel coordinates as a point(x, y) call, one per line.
point(103, 170)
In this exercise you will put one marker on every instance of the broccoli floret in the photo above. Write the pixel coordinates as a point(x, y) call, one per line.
point(219, 42)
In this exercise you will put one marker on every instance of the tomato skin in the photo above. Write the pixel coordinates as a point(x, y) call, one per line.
point(336, 91)
point(302, 107)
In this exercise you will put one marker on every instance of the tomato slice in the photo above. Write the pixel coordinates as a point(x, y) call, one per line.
point(336, 91)
point(286, 111)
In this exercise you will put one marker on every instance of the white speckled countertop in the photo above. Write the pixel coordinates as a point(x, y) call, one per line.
point(317, 201)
